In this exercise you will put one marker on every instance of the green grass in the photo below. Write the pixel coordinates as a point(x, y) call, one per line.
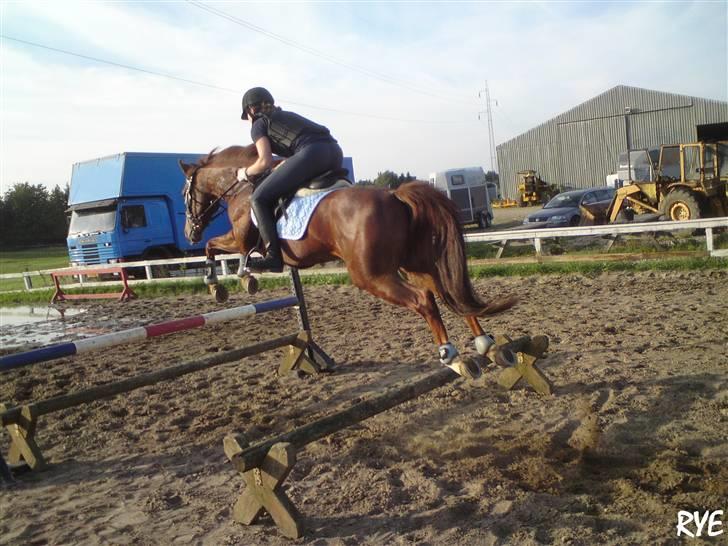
point(33, 259)
point(595, 268)
point(196, 286)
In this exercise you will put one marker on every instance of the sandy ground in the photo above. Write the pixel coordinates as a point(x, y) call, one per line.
point(635, 431)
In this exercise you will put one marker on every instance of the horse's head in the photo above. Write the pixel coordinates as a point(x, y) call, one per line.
point(200, 204)
point(210, 180)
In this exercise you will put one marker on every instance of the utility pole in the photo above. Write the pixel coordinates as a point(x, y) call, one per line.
point(491, 134)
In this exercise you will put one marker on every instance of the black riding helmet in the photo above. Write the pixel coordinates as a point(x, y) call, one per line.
point(253, 96)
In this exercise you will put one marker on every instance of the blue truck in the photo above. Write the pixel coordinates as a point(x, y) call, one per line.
point(129, 207)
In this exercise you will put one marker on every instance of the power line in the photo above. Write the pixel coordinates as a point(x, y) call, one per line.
point(320, 54)
point(217, 87)
point(112, 63)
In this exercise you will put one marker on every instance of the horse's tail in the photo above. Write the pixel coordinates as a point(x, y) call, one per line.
point(437, 236)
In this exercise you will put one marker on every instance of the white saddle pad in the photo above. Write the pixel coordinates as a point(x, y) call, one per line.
point(299, 214)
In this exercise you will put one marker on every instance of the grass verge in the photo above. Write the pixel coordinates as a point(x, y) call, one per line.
point(33, 259)
point(196, 286)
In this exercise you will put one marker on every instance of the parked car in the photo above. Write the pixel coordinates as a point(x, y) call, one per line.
point(563, 209)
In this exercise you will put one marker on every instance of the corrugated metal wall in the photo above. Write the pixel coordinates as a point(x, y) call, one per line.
point(580, 147)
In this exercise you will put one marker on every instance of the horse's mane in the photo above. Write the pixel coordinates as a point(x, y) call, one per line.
point(232, 156)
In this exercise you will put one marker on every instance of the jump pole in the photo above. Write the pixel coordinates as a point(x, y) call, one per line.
point(302, 355)
point(123, 337)
point(21, 421)
point(131, 335)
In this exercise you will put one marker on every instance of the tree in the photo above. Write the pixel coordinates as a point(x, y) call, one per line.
point(392, 180)
point(29, 215)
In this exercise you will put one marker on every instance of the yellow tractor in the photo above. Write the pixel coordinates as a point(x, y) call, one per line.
point(688, 181)
point(532, 190)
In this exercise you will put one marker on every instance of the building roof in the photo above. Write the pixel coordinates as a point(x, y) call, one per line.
point(612, 103)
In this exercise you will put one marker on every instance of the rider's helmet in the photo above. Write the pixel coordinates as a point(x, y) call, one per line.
point(255, 95)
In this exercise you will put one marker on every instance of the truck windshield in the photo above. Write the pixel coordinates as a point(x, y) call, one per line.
point(92, 221)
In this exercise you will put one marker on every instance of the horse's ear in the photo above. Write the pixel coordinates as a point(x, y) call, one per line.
point(184, 166)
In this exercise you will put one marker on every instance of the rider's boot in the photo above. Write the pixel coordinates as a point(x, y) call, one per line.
point(273, 260)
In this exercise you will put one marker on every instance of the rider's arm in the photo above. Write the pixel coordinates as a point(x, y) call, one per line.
point(265, 157)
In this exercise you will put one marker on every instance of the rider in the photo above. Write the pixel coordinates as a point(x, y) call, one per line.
point(310, 151)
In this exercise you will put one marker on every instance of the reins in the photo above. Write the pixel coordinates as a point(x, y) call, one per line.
point(197, 218)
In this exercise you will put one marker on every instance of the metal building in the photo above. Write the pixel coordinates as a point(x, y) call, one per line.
point(579, 148)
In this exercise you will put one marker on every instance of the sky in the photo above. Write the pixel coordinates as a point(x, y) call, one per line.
point(399, 84)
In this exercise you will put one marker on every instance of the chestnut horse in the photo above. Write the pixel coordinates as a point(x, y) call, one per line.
point(404, 246)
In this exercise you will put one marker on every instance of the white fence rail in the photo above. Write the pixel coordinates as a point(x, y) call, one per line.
point(501, 238)
point(613, 230)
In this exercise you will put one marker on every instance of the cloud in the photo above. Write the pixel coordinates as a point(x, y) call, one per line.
point(539, 59)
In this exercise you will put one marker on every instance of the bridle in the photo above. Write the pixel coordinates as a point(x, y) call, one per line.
point(196, 220)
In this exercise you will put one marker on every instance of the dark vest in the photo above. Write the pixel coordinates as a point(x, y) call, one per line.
point(285, 128)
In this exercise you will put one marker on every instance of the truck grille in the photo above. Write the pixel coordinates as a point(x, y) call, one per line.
point(91, 254)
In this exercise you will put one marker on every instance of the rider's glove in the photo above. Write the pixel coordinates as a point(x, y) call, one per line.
point(242, 175)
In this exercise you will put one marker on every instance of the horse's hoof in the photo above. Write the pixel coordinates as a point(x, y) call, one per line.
point(220, 292)
point(505, 357)
point(249, 284)
point(467, 367)
point(539, 345)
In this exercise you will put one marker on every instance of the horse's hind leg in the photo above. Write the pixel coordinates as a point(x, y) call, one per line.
point(483, 342)
point(393, 289)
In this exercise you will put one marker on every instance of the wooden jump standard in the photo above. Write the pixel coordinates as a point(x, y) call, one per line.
point(265, 465)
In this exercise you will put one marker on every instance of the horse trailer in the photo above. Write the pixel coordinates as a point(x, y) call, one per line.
point(468, 189)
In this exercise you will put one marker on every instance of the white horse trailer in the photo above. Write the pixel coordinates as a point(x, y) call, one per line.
point(468, 189)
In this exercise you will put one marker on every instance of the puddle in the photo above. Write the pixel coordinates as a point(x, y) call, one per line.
point(24, 314)
point(36, 325)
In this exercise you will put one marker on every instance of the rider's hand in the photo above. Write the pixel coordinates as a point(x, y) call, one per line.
point(242, 175)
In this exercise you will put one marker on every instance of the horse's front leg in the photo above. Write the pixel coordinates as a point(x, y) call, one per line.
point(225, 243)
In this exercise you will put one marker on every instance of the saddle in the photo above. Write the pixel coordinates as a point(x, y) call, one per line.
point(326, 181)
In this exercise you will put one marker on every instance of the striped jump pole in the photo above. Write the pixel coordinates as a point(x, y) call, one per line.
point(122, 337)
point(314, 352)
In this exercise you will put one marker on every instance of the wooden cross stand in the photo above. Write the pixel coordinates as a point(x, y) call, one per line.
point(520, 356)
point(264, 466)
point(263, 487)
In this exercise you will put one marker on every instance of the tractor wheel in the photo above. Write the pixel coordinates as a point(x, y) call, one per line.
point(680, 205)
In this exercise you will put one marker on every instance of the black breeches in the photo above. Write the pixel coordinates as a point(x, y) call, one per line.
point(312, 160)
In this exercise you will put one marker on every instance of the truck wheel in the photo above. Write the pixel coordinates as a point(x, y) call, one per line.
point(681, 205)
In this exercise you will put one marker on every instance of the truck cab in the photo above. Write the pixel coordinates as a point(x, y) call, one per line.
point(128, 207)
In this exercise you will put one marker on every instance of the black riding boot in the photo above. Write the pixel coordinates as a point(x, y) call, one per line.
point(273, 260)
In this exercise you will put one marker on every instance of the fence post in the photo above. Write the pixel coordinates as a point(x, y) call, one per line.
point(27, 281)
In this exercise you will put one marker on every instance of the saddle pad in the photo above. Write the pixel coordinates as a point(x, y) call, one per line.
point(299, 214)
